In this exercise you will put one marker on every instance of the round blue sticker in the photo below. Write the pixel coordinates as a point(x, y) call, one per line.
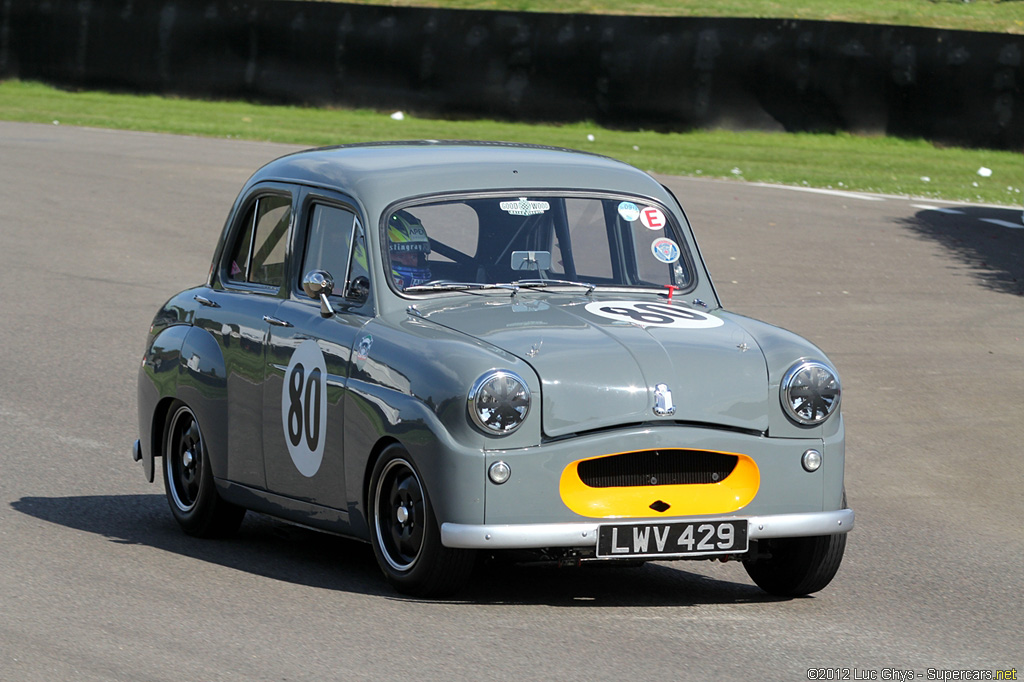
point(629, 211)
point(665, 250)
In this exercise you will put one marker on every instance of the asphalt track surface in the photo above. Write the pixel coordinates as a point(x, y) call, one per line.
point(919, 304)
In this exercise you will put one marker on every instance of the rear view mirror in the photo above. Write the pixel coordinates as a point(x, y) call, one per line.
point(531, 260)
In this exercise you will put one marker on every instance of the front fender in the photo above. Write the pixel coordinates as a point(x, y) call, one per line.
point(782, 349)
point(452, 472)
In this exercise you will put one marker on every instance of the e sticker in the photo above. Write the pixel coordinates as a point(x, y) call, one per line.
point(650, 313)
point(629, 211)
point(304, 407)
point(652, 218)
point(665, 250)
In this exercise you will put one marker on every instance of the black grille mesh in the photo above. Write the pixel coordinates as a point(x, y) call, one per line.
point(656, 467)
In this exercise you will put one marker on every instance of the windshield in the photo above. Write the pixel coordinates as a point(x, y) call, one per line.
point(537, 240)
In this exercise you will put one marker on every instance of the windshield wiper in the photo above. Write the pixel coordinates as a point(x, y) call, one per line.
point(458, 286)
point(538, 283)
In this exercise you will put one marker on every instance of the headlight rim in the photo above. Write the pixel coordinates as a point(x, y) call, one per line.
point(787, 383)
point(474, 394)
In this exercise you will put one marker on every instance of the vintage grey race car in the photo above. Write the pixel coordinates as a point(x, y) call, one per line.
point(454, 348)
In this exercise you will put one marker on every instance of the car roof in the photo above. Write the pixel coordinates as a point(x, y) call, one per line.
point(378, 174)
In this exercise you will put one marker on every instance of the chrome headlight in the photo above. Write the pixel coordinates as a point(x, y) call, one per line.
point(499, 402)
point(810, 392)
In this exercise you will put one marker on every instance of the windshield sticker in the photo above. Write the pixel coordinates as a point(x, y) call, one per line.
point(629, 211)
point(665, 250)
point(647, 313)
point(525, 207)
point(304, 407)
point(652, 218)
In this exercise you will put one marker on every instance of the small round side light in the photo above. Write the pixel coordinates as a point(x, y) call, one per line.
point(499, 472)
point(811, 460)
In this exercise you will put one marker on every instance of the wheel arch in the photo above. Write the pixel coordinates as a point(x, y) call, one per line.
point(371, 461)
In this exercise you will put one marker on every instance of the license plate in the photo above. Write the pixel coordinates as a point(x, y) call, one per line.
point(697, 538)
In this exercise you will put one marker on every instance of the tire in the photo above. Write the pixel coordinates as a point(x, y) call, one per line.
point(188, 479)
point(404, 532)
point(798, 566)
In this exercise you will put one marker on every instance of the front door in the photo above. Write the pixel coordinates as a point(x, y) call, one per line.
point(308, 356)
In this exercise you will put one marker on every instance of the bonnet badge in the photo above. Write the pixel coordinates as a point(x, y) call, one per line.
point(663, 406)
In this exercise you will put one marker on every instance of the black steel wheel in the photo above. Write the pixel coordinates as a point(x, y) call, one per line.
point(797, 566)
point(404, 532)
point(188, 479)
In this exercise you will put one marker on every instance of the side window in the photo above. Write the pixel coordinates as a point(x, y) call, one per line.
point(258, 254)
point(273, 215)
point(328, 242)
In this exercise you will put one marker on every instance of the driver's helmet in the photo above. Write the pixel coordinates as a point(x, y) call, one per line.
point(408, 246)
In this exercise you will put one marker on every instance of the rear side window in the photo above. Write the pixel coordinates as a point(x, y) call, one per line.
point(258, 254)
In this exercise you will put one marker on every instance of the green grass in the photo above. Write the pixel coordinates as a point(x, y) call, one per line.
point(843, 161)
point(1000, 16)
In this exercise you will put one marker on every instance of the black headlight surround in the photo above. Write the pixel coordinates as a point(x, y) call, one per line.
point(810, 392)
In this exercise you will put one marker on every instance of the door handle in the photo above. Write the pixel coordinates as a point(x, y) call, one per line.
point(276, 322)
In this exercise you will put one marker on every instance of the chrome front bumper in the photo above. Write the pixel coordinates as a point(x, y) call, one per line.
point(543, 535)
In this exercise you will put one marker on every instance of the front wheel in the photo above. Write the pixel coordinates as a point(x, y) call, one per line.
point(404, 533)
point(188, 479)
point(797, 566)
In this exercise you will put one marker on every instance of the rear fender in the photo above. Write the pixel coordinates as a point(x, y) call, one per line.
point(184, 363)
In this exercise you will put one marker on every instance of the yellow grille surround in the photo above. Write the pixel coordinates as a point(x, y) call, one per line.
point(652, 499)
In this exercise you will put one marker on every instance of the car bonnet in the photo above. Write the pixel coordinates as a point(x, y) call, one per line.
point(601, 365)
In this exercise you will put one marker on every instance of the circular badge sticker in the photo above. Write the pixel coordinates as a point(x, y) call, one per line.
point(654, 314)
point(304, 407)
point(665, 250)
point(652, 218)
point(629, 211)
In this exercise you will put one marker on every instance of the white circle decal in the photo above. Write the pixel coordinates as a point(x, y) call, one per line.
point(652, 218)
point(304, 407)
point(629, 211)
point(665, 250)
point(654, 314)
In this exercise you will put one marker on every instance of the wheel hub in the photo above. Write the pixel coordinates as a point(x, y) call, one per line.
point(402, 514)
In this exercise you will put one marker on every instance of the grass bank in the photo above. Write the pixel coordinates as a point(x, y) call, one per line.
point(998, 16)
point(843, 161)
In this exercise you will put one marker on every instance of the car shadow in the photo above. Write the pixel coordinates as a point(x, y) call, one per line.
point(988, 240)
point(274, 549)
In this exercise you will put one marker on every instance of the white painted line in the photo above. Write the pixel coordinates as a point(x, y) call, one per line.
point(816, 190)
point(925, 207)
point(1003, 223)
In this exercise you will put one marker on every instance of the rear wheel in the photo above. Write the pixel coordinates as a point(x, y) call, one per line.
point(798, 566)
point(188, 479)
point(404, 532)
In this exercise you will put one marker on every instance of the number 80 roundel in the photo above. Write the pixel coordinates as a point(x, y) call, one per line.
point(304, 407)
